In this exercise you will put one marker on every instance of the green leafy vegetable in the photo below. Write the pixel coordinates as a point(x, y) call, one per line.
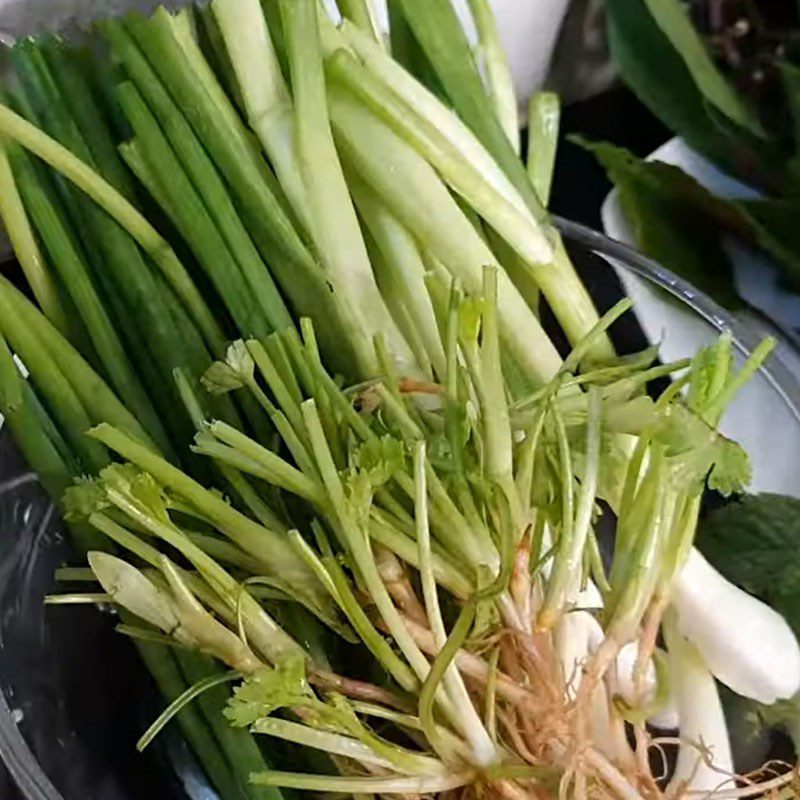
point(645, 55)
point(678, 222)
point(672, 17)
point(668, 212)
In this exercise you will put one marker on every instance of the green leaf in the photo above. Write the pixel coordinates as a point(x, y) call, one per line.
point(10, 380)
point(695, 450)
point(269, 690)
point(754, 543)
point(658, 75)
point(732, 471)
point(380, 459)
point(235, 372)
point(774, 226)
point(680, 223)
point(669, 213)
point(672, 17)
point(85, 498)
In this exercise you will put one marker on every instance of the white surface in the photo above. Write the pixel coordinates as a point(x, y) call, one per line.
point(759, 419)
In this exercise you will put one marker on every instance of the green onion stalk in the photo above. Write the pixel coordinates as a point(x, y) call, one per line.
point(386, 570)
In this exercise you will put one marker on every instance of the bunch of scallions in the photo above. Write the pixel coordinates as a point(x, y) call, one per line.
point(285, 374)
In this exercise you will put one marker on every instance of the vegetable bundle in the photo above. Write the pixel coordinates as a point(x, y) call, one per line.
point(380, 518)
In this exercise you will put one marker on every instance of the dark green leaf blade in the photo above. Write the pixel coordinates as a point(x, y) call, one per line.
point(672, 17)
point(644, 56)
point(669, 214)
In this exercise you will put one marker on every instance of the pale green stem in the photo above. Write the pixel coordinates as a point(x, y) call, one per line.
point(498, 70)
point(400, 176)
point(334, 743)
point(544, 115)
point(403, 260)
point(335, 227)
point(379, 786)
point(482, 747)
point(569, 557)
point(266, 97)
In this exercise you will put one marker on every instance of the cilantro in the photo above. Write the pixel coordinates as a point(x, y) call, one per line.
point(269, 690)
point(380, 459)
point(86, 497)
point(695, 450)
point(236, 371)
point(139, 488)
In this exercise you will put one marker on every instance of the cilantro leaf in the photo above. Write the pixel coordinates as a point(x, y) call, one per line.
point(755, 544)
point(731, 472)
point(236, 371)
point(84, 498)
point(695, 450)
point(269, 690)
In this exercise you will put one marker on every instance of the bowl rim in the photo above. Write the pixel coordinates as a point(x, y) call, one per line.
point(745, 338)
point(15, 752)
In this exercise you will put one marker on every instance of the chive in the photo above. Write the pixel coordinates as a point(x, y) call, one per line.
point(26, 248)
point(10, 379)
point(113, 203)
point(61, 398)
point(99, 401)
point(195, 222)
point(45, 452)
point(225, 141)
point(161, 664)
point(203, 175)
point(138, 299)
point(87, 113)
point(68, 259)
point(37, 449)
point(51, 431)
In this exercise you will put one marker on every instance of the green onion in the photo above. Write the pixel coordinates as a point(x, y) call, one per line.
point(336, 231)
